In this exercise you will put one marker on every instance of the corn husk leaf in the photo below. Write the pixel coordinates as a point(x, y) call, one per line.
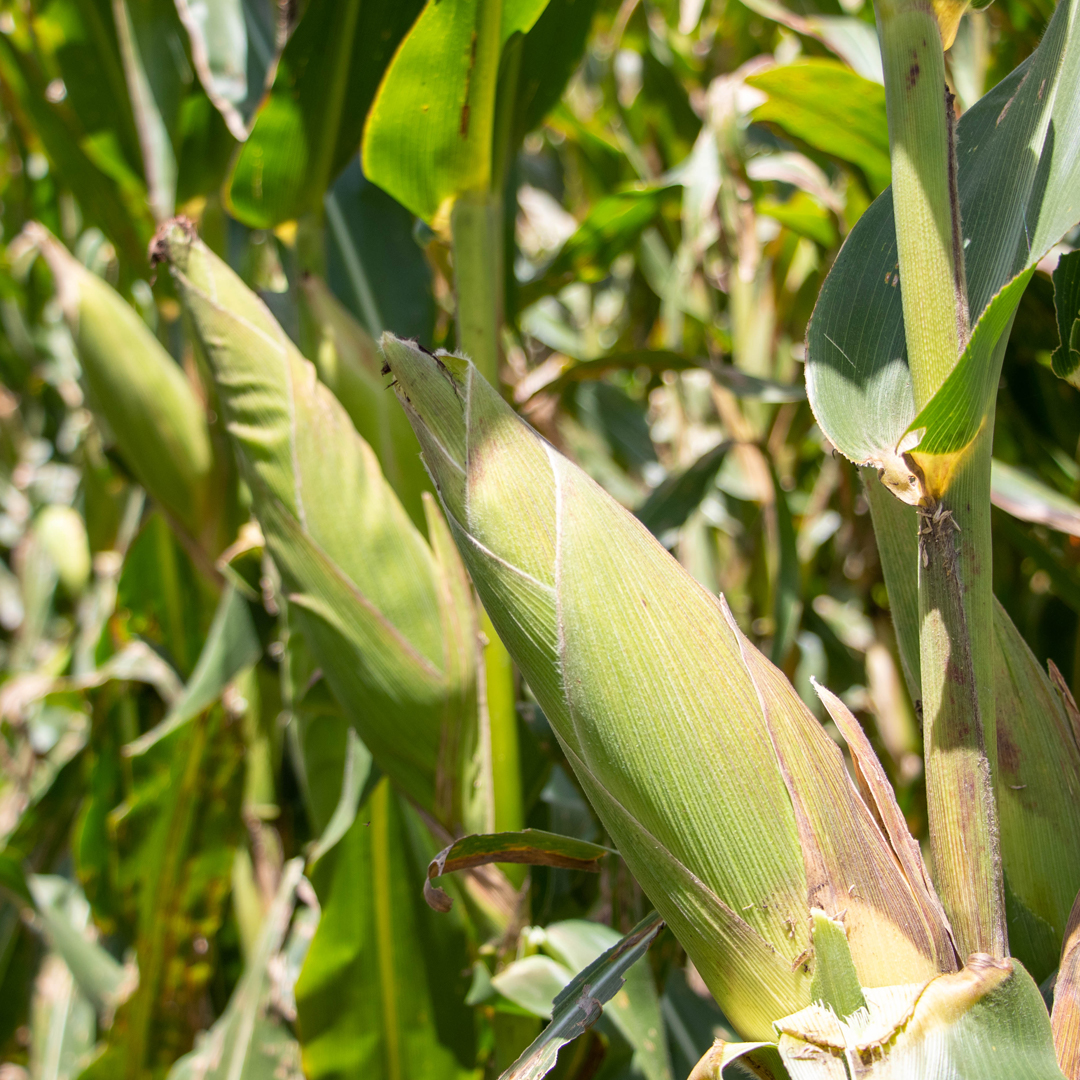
point(150, 407)
point(387, 615)
point(722, 792)
point(1037, 778)
point(348, 362)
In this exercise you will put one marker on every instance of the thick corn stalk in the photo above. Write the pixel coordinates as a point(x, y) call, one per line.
point(388, 616)
point(725, 796)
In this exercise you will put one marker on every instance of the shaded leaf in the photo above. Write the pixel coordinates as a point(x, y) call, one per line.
point(1022, 495)
point(679, 495)
point(310, 124)
point(533, 847)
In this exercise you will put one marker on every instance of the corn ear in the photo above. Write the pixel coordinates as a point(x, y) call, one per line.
point(388, 617)
point(348, 361)
point(724, 795)
point(157, 421)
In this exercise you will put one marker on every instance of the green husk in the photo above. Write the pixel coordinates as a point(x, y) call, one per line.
point(153, 414)
point(388, 617)
point(348, 361)
point(725, 796)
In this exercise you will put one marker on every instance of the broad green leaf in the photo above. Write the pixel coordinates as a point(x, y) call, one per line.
point(355, 781)
point(374, 265)
point(142, 393)
point(951, 419)
point(1019, 493)
point(582, 1001)
point(613, 226)
point(387, 616)
point(831, 108)
point(428, 137)
point(680, 494)
point(1018, 175)
point(380, 994)
point(595, 613)
point(1038, 753)
point(1066, 358)
point(987, 1020)
point(531, 847)
point(311, 122)
point(348, 361)
point(250, 1040)
point(635, 1011)
point(802, 215)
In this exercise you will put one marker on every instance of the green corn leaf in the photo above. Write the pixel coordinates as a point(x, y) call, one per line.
point(831, 108)
point(250, 1040)
point(388, 616)
point(1038, 755)
point(596, 614)
point(678, 496)
point(380, 994)
point(142, 393)
point(61, 1024)
point(373, 263)
point(1066, 357)
point(951, 419)
point(581, 1002)
point(348, 361)
point(310, 124)
point(429, 135)
point(1017, 178)
point(613, 226)
point(531, 847)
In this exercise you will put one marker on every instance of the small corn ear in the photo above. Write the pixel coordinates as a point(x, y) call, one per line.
point(157, 421)
point(725, 796)
point(387, 615)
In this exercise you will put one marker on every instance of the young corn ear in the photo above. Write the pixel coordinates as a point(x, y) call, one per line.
point(725, 796)
point(348, 361)
point(153, 414)
point(388, 616)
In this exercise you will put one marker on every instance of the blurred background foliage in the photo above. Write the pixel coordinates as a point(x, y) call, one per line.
point(680, 177)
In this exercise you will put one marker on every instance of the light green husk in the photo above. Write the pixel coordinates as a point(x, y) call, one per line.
point(725, 796)
point(153, 414)
point(388, 617)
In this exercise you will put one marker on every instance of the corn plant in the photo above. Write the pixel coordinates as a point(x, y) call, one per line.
point(442, 632)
